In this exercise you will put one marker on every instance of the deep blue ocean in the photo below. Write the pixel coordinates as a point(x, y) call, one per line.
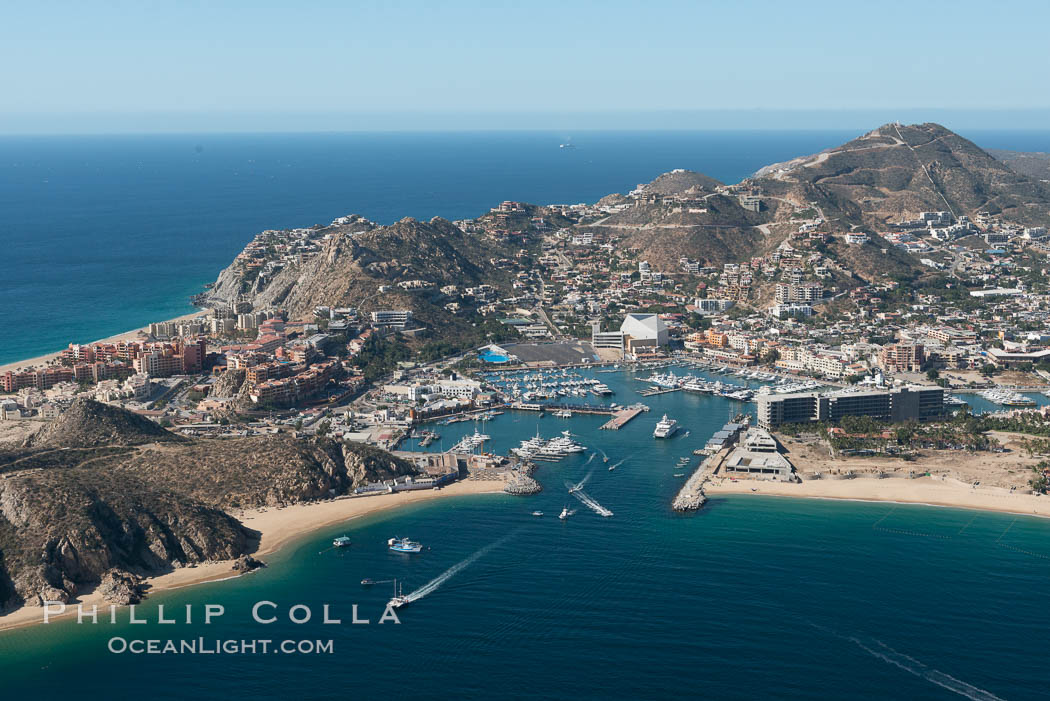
point(754, 597)
point(103, 234)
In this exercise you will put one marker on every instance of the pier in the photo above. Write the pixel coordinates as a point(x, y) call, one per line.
point(658, 390)
point(620, 418)
point(691, 497)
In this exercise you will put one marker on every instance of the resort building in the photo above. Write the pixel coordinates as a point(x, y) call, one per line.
point(903, 404)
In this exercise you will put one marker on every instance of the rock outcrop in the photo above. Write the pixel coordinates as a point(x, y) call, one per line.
point(247, 563)
point(121, 587)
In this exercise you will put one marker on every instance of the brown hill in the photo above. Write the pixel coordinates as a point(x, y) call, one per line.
point(884, 176)
point(72, 507)
point(897, 171)
point(353, 265)
point(88, 424)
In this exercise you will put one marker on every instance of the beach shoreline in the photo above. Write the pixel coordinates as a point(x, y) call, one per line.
point(132, 335)
point(278, 528)
point(922, 491)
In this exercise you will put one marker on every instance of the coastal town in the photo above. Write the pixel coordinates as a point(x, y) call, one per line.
point(818, 338)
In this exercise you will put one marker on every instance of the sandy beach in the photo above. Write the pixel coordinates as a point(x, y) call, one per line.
point(278, 527)
point(936, 491)
point(125, 336)
point(993, 481)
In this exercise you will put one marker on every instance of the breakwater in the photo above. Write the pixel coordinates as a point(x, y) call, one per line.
point(691, 497)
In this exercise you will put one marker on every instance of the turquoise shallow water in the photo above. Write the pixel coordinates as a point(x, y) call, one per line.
point(753, 597)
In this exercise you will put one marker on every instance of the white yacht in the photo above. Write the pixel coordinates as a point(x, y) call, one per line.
point(665, 428)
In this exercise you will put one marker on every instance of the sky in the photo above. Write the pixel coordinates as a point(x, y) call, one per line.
point(72, 67)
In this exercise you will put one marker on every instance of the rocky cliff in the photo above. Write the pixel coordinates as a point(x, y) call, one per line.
point(74, 507)
point(353, 264)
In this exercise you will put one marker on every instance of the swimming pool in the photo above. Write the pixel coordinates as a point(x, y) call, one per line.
point(490, 356)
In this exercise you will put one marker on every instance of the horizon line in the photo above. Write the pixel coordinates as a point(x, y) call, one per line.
point(681, 120)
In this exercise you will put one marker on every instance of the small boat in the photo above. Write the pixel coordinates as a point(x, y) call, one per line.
point(341, 542)
point(399, 599)
point(537, 513)
point(565, 513)
point(367, 582)
point(612, 467)
point(404, 545)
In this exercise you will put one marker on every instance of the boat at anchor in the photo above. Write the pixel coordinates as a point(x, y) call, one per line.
point(404, 545)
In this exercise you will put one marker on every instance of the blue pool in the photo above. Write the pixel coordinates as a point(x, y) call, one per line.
point(490, 356)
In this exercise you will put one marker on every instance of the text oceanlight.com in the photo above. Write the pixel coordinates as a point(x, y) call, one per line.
point(202, 646)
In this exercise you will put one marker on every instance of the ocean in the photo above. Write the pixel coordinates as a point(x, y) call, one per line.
point(102, 234)
point(752, 597)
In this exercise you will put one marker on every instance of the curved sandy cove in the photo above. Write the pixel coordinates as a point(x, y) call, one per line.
point(278, 527)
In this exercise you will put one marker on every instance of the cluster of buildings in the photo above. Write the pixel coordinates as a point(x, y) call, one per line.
point(92, 364)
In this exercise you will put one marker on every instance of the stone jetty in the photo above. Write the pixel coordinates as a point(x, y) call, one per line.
point(522, 485)
point(691, 497)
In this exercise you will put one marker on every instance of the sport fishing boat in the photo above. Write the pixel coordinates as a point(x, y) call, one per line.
point(341, 542)
point(665, 428)
point(404, 545)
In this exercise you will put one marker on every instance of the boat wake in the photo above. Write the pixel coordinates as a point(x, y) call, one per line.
point(882, 651)
point(886, 653)
point(579, 485)
point(588, 501)
point(432, 586)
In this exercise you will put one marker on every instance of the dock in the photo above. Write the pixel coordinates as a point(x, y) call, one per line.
point(620, 418)
point(691, 497)
point(658, 390)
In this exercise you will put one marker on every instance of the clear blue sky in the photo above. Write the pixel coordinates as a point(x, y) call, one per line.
point(112, 66)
